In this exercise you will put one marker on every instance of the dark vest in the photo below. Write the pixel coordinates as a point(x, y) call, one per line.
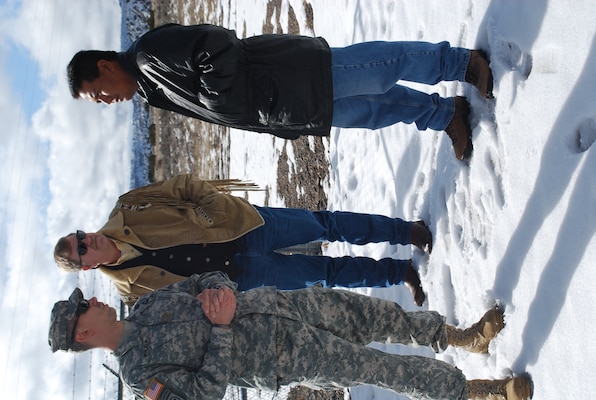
point(189, 259)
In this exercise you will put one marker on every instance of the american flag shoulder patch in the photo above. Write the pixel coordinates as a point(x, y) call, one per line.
point(153, 390)
point(158, 391)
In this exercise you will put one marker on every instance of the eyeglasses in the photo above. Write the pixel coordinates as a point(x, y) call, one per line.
point(81, 309)
point(81, 247)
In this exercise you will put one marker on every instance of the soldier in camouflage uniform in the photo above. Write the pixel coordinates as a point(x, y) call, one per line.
point(191, 339)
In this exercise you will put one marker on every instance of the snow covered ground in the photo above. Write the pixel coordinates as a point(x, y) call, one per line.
point(517, 223)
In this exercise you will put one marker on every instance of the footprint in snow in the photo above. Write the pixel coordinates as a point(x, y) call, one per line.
point(513, 57)
point(585, 135)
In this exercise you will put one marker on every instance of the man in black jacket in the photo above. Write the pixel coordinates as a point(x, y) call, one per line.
point(286, 85)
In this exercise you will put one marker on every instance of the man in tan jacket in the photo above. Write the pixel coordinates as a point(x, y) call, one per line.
point(162, 233)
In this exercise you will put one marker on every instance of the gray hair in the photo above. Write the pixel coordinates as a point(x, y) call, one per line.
point(61, 255)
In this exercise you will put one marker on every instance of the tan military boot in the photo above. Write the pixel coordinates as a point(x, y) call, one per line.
point(518, 388)
point(476, 338)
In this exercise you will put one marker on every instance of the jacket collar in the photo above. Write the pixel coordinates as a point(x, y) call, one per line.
point(116, 229)
point(127, 63)
point(128, 340)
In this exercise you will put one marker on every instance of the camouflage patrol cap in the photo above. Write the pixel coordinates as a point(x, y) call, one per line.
point(62, 322)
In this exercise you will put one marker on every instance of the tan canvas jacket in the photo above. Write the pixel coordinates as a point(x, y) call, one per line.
point(181, 210)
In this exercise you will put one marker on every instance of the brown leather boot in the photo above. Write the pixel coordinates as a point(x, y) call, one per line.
point(421, 236)
point(412, 281)
point(459, 129)
point(479, 74)
point(476, 338)
point(517, 388)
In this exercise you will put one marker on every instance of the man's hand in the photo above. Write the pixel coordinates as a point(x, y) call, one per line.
point(218, 305)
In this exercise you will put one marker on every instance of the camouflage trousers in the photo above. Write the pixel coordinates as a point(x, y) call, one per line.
point(322, 336)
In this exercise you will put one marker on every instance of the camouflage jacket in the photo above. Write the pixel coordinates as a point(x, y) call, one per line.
point(170, 347)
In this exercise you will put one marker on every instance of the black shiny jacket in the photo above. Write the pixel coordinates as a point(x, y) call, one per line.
point(278, 84)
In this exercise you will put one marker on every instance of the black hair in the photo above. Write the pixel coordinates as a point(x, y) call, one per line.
point(83, 67)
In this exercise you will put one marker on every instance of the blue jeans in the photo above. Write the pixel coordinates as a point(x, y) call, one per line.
point(366, 94)
point(285, 227)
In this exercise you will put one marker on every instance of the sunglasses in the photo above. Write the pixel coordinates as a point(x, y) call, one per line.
point(81, 247)
point(81, 309)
